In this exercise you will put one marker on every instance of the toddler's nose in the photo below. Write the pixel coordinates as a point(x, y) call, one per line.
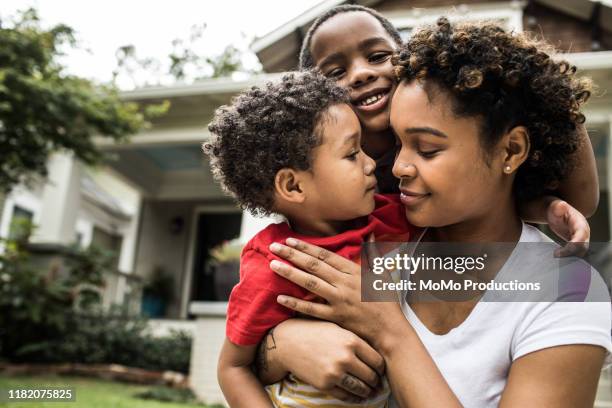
point(370, 166)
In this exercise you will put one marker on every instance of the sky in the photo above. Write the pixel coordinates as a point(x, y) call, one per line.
point(104, 26)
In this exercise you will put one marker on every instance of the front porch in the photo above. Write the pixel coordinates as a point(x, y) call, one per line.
point(183, 211)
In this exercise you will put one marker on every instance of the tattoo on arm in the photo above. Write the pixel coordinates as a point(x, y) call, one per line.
point(261, 359)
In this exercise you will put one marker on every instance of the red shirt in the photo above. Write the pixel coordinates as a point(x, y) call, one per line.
point(253, 309)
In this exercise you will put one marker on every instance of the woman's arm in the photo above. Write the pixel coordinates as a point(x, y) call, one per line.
point(563, 376)
point(415, 379)
point(238, 383)
point(322, 354)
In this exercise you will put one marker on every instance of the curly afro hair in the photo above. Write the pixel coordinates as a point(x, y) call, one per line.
point(507, 80)
point(306, 61)
point(265, 130)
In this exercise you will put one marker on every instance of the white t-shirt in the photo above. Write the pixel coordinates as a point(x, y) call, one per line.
point(476, 356)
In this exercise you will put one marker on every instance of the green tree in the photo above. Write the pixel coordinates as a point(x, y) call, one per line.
point(44, 109)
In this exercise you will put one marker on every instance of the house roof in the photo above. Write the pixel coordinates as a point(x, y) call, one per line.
point(278, 50)
point(212, 86)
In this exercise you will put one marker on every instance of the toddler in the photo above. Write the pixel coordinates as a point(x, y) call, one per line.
point(293, 148)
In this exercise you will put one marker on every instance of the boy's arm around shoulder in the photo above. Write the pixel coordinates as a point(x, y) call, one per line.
point(238, 382)
point(580, 188)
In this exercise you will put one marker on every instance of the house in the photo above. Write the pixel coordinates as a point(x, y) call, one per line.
point(156, 201)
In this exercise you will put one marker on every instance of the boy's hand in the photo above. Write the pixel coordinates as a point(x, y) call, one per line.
point(569, 224)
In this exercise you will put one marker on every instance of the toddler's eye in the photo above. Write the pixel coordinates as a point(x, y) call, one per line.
point(353, 155)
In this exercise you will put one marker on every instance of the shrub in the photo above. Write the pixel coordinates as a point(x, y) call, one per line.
point(42, 320)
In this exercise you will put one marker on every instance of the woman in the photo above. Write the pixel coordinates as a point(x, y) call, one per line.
point(491, 120)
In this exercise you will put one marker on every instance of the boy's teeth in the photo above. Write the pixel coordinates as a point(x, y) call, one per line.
point(371, 99)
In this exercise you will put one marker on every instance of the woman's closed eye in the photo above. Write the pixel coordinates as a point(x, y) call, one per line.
point(428, 154)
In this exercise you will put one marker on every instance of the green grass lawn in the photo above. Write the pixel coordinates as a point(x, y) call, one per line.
point(90, 393)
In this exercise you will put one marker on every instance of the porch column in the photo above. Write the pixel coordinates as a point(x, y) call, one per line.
point(609, 172)
point(130, 239)
point(60, 201)
point(127, 255)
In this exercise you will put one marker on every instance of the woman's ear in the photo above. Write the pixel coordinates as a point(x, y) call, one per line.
point(516, 146)
point(289, 186)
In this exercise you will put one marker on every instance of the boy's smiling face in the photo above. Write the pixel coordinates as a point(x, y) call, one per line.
point(354, 49)
point(340, 185)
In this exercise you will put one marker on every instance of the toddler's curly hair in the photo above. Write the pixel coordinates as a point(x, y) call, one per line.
point(506, 79)
point(265, 130)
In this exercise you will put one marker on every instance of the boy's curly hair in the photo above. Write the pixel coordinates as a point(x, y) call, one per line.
point(506, 79)
point(305, 59)
point(265, 130)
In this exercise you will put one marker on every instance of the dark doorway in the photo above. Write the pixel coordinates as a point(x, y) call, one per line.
point(212, 230)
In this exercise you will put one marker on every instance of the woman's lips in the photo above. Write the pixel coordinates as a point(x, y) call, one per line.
point(379, 104)
point(410, 198)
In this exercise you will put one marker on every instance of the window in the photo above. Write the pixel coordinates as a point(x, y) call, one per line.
point(20, 223)
point(107, 241)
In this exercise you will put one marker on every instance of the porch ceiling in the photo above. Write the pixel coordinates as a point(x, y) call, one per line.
point(171, 172)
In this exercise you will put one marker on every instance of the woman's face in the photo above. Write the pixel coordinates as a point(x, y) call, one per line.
point(354, 49)
point(444, 178)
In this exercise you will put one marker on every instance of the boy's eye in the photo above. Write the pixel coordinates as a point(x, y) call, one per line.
point(379, 56)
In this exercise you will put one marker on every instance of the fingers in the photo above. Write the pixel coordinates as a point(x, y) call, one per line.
point(572, 226)
point(579, 249)
point(354, 385)
point(344, 395)
point(318, 310)
point(323, 256)
point(309, 282)
point(370, 357)
point(361, 371)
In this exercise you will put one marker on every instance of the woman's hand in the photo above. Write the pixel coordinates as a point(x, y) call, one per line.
point(569, 224)
point(328, 357)
point(338, 281)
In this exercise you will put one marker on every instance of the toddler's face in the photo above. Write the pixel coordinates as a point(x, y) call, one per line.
point(444, 178)
point(354, 49)
point(340, 185)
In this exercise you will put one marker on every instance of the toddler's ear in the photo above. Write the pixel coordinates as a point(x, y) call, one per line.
point(289, 186)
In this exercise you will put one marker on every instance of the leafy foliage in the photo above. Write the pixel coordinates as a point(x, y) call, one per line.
point(35, 303)
point(103, 338)
point(44, 317)
point(44, 109)
point(166, 394)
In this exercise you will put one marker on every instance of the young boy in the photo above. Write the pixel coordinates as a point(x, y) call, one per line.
point(293, 148)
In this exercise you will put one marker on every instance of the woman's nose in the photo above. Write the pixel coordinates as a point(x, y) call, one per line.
point(403, 169)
